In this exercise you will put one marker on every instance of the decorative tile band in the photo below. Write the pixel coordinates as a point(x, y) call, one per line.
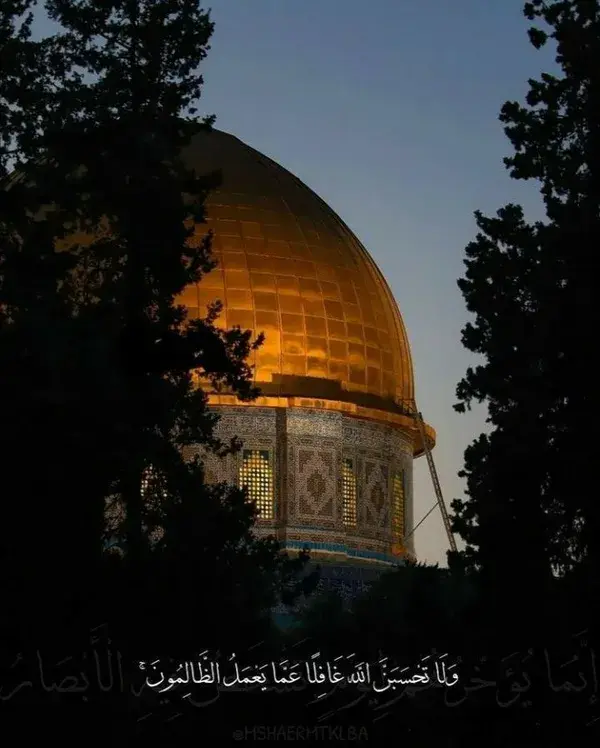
point(342, 549)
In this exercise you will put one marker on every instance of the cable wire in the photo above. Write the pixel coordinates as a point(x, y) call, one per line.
point(421, 521)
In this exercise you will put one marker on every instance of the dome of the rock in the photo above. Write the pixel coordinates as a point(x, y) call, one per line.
point(329, 444)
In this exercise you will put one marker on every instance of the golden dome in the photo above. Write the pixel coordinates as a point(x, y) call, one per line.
point(289, 267)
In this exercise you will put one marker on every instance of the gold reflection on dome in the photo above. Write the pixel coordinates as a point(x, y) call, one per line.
point(289, 267)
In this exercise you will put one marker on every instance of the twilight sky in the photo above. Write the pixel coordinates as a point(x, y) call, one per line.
point(389, 111)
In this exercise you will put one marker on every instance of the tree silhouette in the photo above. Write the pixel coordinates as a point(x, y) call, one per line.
point(101, 230)
point(529, 286)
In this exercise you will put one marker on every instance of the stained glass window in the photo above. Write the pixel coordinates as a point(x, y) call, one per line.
point(256, 475)
point(348, 493)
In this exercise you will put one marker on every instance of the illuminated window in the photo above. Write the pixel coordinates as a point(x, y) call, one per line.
point(256, 475)
point(146, 477)
point(398, 506)
point(348, 493)
point(150, 480)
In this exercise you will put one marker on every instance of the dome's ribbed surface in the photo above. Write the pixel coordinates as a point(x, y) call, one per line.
point(289, 267)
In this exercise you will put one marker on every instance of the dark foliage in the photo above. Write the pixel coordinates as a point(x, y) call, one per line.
point(100, 366)
point(99, 402)
point(530, 286)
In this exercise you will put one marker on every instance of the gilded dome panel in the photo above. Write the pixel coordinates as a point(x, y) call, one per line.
point(289, 267)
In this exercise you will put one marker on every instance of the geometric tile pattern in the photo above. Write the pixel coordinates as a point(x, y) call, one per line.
point(316, 483)
point(333, 475)
point(327, 480)
point(375, 497)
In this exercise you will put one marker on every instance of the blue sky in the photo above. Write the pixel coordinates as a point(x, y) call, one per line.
point(389, 111)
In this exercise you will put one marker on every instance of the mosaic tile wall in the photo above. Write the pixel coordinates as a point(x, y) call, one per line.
point(308, 447)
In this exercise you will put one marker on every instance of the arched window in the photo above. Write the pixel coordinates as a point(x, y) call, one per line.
point(348, 493)
point(256, 475)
